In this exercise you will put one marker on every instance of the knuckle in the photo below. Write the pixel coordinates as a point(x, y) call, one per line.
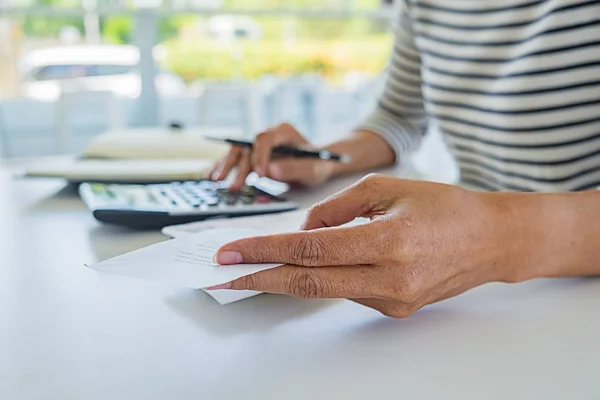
point(235, 151)
point(398, 312)
point(262, 137)
point(305, 285)
point(249, 282)
point(288, 130)
point(277, 173)
point(307, 251)
point(314, 211)
point(371, 180)
point(410, 285)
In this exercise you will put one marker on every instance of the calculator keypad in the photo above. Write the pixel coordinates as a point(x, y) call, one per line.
point(206, 194)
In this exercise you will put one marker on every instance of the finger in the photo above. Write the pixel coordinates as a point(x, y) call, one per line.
point(232, 158)
point(365, 198)
point(244, 168)
point(323, 247)
point(214, 172)
point(261, 152)
point(291, 170)
point(338, 282)
point(266, 141)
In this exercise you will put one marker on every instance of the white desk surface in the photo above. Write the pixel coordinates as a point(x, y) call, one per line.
point(67, 332)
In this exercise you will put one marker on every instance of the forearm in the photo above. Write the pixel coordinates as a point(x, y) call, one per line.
point(553, 235)
point(367, 151)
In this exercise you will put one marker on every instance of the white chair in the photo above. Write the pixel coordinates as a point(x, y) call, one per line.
point(4, 145)
point(297, 102)
point(239, 105)
point(81, 114)
point(27, 127)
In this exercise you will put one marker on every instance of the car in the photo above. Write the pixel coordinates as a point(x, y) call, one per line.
point(47, 72)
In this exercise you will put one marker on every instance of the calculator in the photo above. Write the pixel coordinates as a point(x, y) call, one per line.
point(154, 206)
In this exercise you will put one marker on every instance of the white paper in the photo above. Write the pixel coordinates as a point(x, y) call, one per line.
point(268, 224)
point(187, 262)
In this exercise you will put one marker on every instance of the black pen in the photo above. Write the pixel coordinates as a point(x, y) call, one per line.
point(292, 151)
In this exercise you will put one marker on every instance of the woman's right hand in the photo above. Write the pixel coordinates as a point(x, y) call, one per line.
point(258, 159)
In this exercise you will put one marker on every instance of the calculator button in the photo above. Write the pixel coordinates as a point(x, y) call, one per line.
point(230, 200)
point(211, 201)
point(263, 199)
point(249, 190)
point(247, 199)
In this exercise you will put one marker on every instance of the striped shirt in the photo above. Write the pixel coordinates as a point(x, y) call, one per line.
point(513, 85)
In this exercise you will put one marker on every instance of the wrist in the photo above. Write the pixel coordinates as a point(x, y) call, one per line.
point(367, 151)
point(518, 239)
point(550, 235)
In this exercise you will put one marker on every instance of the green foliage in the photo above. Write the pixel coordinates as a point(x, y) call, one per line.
point(39, 26)
point(209, 60)
point(289, 45)
point(300, 4)
point(117, 30)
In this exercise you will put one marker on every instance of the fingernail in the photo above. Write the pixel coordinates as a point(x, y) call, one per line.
point(223, 286)
point(228, 258)
point(259, 171)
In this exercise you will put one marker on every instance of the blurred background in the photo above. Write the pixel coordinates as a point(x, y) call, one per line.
point(71, 69)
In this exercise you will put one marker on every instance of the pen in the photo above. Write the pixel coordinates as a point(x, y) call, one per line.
point(292, 151)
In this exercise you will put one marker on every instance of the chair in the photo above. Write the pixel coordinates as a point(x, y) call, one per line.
point(297, 102)
point(81, 114)
point(233, 104)
point(27, 127)
point(4, 145)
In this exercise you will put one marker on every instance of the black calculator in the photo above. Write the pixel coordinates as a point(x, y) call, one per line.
point(154, 206)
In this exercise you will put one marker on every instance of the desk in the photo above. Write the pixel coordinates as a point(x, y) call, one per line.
point(67, 332)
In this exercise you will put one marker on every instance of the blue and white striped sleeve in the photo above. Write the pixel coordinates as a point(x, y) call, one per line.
point(400, 117)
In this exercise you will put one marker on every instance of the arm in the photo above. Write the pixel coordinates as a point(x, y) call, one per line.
point(399, 121)
point(555, 235)
point(394, 128)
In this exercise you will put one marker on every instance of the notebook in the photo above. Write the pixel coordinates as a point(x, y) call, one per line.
point(122, 171)
point(140, 156)
point(156, 143)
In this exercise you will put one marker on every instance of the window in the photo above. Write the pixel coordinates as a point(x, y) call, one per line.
point(310, 62)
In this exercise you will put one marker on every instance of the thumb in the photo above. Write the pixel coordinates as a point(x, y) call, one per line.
point(292, 170)
point(366, 198)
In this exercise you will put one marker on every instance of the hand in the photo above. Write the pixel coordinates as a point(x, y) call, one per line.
point(291, 170)
point(425, 242)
